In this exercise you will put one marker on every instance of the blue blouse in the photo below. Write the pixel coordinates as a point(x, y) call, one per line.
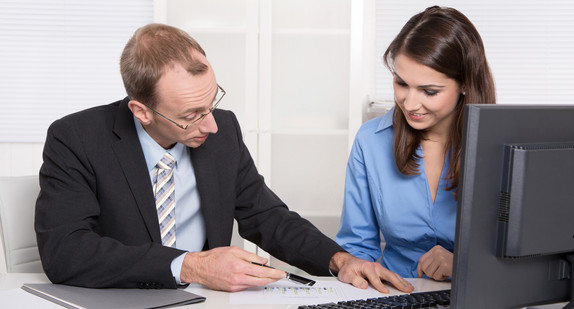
point(380, 199)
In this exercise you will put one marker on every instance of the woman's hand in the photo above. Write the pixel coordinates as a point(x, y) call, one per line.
point(436, 264)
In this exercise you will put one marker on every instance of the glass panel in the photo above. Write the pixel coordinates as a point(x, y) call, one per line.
point(309, 171)
point(319, 14)
point(206, 14)
point(310, 86)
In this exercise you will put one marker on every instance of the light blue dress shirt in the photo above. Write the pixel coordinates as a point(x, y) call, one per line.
point(380, 199)
point(189, 222)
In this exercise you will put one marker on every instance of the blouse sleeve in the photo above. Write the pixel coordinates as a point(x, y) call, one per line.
point(359, 231)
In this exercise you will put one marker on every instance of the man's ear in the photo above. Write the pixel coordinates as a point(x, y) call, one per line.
point(141, 112)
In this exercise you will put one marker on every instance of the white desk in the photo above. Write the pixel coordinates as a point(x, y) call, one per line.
point(215, 299)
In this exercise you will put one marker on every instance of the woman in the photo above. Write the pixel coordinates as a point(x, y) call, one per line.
point(402, 174)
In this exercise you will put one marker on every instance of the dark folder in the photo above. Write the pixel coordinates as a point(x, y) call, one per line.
point(77, 297)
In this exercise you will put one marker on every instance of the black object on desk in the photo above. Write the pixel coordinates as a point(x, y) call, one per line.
point(430, 299)
point(292, 277)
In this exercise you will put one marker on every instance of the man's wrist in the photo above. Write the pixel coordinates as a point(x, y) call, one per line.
point(337, 261)
point(187, 271)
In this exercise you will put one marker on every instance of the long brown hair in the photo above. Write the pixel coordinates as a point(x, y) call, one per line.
point(445, 40)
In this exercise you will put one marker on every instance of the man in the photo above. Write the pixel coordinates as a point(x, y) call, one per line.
point(135, 194)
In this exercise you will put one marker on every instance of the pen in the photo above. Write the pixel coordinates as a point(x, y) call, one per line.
point(292, 277)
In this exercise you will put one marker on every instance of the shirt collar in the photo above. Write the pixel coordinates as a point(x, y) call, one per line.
point(153, 152)
point(386, 121)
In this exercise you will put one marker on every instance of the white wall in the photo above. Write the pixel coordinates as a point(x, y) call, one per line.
point(57, 57)
point(19, 159)
point(294, 81)
point(286, 66)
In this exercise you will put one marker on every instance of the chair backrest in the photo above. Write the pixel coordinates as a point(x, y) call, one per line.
point(17, 207)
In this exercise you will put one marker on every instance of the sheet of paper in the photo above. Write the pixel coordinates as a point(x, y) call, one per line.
point(287, 292)
point(20, 299)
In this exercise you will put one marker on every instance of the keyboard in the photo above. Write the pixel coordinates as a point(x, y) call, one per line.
point(431, 299)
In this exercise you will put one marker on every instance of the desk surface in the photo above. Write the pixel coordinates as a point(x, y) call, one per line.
point(215, 299)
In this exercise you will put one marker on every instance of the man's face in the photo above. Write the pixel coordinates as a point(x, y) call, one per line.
point(183, 97)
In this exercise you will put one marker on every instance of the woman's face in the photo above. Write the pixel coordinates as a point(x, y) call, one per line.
point(426, 97)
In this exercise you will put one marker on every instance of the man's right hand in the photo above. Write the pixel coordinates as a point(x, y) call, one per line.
point(227, 269)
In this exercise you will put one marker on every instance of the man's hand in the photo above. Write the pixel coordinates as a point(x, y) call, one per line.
point(436, 264)
point(360, 272)
point(227, 269)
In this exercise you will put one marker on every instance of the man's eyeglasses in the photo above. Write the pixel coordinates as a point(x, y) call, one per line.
point(220, 94)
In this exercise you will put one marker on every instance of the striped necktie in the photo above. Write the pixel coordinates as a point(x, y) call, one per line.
point(164, 191)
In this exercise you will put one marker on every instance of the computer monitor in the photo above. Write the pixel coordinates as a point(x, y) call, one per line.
point(515, 224)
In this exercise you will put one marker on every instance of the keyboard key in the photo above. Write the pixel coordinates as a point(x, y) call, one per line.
point(431, 299)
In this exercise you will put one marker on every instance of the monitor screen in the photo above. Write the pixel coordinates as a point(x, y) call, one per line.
point(515, 221)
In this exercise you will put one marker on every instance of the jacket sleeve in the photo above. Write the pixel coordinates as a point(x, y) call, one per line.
point(75, 246)
point(266, 221)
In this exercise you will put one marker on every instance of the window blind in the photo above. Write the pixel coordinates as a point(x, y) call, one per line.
point(58, 57)
point(528, 45)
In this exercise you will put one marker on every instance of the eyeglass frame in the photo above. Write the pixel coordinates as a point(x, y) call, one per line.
point(201, 116)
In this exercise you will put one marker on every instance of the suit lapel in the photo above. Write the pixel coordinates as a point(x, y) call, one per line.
point(208, 188)
point(130, 155)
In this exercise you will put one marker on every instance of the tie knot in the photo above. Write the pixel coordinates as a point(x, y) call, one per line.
point(167, 162)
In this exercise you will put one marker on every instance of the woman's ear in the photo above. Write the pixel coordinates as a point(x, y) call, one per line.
point(141, 112)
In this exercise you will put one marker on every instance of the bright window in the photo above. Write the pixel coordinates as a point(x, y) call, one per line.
point(529, 45)
point(58, 57)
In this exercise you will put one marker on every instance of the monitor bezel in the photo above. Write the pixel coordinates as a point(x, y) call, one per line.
point(480, 278)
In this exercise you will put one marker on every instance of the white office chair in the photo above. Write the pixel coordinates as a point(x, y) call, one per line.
point(17, 237)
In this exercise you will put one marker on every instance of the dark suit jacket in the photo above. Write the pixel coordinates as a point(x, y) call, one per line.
point(96, 222)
